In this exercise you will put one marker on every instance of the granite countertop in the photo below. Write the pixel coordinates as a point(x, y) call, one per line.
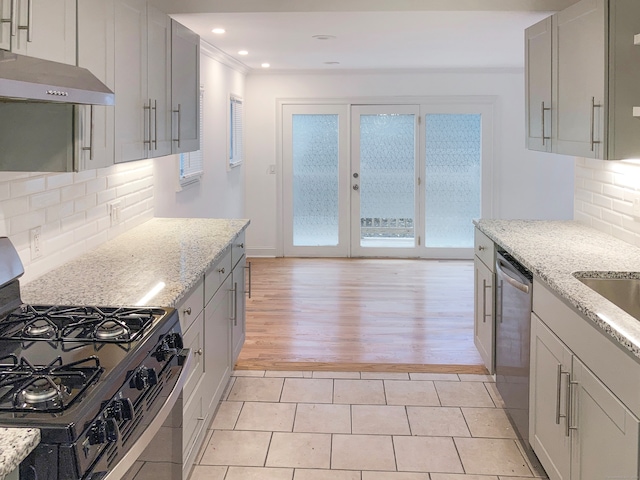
point(15, 445)
point(170, 251)
point(554, 250)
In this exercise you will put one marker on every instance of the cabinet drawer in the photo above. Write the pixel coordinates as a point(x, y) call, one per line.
point(193, 421)
point(485, 249)
point(194, 340)
point(191, 307)
point(237, 249)
point(217, 274)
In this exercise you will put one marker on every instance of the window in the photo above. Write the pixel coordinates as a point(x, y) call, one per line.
point(236, 137)
point(192, 163)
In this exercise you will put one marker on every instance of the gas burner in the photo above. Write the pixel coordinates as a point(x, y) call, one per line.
point(111, 330)
point(47, 388)
point(40, 328)
point(42, 390)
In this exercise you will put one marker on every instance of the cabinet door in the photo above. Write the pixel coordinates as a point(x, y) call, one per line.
point(47, 31)
point(132, 111)
point(185, 88)
point(238, 325)
point(548, 397)
point(96, 53)
point(579, 65)
point(605, 442)
point(159, 72)
point(538, 85)
point(217, 343)
point(5, 24)
point(483, 308)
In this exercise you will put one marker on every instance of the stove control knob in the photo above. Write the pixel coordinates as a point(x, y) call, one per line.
point(98, 433)
point(144, 378)
point(111, 430)
point(120, 410)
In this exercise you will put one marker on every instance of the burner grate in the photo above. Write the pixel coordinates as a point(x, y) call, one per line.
point(51, 388)
point(85, 324)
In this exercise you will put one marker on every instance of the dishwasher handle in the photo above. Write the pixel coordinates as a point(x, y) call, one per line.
point(510, 275)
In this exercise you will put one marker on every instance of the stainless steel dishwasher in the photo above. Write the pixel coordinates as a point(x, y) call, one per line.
point(513, 331)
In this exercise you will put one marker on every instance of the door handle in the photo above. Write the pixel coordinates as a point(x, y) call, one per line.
point(178, 111)
point(594, 105)
point(356, 187)
point(544, 137)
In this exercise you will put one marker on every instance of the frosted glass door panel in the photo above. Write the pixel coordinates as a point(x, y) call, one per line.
point(387, 180)
point(315, 180)
point(453, 178)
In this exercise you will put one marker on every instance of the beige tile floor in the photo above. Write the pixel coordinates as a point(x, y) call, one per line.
point(361, 426)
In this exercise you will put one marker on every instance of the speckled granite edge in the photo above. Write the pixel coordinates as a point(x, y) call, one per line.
point(555, 250)
point(172, 253)
point(15, 445)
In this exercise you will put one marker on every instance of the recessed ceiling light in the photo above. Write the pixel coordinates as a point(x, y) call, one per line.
point(324, 37)
point(266, 65)
point(219, 31)
point(332, 63)
point(243, 52)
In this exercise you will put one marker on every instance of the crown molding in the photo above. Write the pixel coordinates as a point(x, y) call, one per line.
point(216, 54)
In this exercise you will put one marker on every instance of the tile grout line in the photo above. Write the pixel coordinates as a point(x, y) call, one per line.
point(453, 439)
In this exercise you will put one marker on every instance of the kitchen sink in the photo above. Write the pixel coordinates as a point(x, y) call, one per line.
point(623, 292)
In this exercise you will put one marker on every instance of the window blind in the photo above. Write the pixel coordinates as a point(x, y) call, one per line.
point(236, 127)
point(192, 163)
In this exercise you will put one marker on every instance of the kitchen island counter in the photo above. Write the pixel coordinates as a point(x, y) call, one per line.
point(554, 250)
point(15, 445)
point(154, 264)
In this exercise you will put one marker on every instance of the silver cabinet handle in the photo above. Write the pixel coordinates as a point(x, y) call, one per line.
point(29, 21)
point(234, 317)
point(544, 109)
point(187, 311)
point(178, 111)
point(155, 124)
point(14, 18)
point(481, 248)
point(198, 352)
point(593, 123)
point(567, 404)
point(241, 245)
point(558, 382)
point(90, 147)
point(485, 287)
point(356, 187)
point(221, 270)
point(570, 384)
point(147, 109)
point(248, 267)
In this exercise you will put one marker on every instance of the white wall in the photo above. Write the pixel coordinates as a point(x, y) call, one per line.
point(526, 185)
point(604, 197)
point(220, 192)
point(72, 210)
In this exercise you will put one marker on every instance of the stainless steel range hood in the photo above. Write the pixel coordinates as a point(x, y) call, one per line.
point(33, 79)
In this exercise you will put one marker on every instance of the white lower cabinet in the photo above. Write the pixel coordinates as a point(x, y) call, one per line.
point(484, 299)
point(578, 428)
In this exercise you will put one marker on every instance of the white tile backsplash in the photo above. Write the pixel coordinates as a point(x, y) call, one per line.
point(604, 192)
point(72, 209)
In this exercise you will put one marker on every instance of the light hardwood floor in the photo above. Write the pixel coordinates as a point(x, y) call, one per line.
point(361, 315)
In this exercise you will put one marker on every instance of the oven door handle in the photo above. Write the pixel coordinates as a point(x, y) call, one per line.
point(127, 461)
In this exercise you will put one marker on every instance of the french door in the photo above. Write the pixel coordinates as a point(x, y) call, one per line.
point(384, 180)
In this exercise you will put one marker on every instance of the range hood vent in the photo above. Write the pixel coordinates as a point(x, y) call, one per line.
point(26, 78)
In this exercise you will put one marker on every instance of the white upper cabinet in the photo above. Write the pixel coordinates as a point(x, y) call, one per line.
point(39, 28)
point(159, 81)
point(131, 109)
point(593, 72)
point(185, 89)
point(142, 81)
point(95, 124)
point(538, 85)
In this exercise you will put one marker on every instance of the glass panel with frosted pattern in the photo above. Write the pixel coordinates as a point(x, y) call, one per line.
point(453, 178)
point(315, 180)
point(387, 171)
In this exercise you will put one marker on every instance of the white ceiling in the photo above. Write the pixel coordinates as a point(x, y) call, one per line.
point(376, 34)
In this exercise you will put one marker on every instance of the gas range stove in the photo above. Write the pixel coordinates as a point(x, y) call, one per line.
point(93, 379)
